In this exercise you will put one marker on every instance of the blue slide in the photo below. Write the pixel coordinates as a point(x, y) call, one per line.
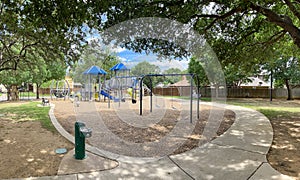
point(105, 94)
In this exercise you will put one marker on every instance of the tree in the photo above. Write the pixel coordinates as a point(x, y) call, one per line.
point(47, 71)
point(144, 68)
point(286, 72)
point(242, 33)
point(38, 73)
point(94, 54)
point(234, 20)
point(172, 79)
point(284, 65)
point(41, 26)
point(11, 79)
point(195, 67)
point(236, 75)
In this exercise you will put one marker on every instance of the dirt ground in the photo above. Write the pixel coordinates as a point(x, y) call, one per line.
point(27, 149)
point(284, 153)
point(66, 116)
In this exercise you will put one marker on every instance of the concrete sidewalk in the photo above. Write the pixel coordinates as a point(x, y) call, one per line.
point(240, 153)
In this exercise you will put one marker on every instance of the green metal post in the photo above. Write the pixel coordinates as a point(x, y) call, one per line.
point(79, 141)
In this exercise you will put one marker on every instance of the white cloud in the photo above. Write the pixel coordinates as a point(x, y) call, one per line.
point(118, 49)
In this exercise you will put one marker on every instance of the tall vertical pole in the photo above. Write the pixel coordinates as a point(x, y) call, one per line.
point(191, 100)
point(90, 88)
point(99, 86)
point(151, 89)
point(198, 96)
point(64, 90)
point(141, 96)
point(120, 92)
point(271, 88)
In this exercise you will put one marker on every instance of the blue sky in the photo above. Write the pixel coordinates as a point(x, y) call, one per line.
point(130, 59)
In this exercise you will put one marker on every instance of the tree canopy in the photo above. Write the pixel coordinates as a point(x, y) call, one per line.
point(144, 68)
point(172, 79)
point(235, 20)
point(94, 54)
point(227, 25)
point(242, 33)
point(45, 28)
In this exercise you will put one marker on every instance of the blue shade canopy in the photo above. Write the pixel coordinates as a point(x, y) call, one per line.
point(119, 66)
point(94, 70)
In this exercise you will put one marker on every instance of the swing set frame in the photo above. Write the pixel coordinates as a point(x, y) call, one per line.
point(193, 76)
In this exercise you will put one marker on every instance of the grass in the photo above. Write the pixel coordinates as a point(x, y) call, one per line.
point(279, 108)
point(28, 111)
point(206, 99)
point(31, 94)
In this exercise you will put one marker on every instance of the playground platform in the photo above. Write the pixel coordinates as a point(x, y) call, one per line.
point(240, 153)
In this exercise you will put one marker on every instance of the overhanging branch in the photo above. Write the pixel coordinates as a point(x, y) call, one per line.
point(292, 8)
point(271, 40)
point(27, 46)
point(280, 20)
point(217, 17)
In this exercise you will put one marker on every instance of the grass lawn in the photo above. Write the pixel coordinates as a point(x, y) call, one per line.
point(31, 94)
point(27, 111)
point(275, 109)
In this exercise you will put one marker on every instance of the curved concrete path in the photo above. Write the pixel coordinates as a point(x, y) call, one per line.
point(240, 153)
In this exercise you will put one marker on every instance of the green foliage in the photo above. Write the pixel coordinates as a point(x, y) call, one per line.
point(46, 84)
point(144, 68)
point(236, 75)
point(172, 79)
point(33, 28)
point(287, 68)
point(195, 67)
point(284, 65)
point(242, 33)
point(38, 72)
point(94, 54)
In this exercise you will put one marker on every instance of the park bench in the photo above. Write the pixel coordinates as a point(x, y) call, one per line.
point(45, 101)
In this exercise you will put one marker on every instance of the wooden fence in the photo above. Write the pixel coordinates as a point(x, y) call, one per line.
point(231, 92)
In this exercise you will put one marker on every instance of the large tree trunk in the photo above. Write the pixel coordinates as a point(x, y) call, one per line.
point(37, 91)
point(14, 93)
point(289, 90)
point(8, 94)
point(217, 91)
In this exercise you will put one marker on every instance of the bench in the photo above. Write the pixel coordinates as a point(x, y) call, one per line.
point(45, 101)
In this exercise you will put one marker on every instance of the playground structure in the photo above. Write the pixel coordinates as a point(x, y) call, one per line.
point(90, 87)
point(122, 86)
point(59, 89)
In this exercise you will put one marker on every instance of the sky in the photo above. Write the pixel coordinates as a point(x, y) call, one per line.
point(130, 59)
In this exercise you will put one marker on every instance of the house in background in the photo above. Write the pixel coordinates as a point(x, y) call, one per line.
point(2, 89)
point(256, 83)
